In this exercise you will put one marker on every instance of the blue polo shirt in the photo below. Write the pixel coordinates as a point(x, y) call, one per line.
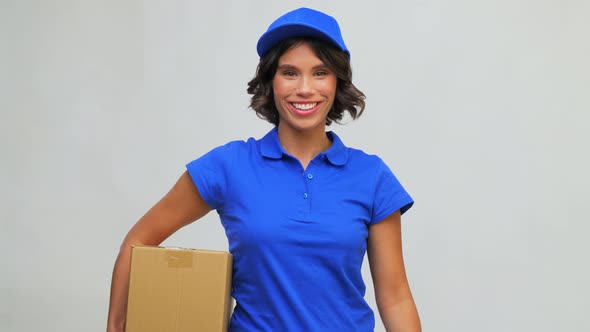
point(298, 237)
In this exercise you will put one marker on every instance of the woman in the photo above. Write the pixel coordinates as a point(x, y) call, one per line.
point(299, 208)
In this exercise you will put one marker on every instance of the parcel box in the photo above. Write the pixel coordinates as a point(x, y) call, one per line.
point(179, 290)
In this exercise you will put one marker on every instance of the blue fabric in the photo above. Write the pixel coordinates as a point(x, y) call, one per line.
point(302, 22)
point(298, 237)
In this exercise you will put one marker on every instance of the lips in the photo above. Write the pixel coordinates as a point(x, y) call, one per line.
point(304, 109)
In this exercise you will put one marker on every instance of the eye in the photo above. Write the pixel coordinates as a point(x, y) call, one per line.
point(322, 72)
point(289, 73)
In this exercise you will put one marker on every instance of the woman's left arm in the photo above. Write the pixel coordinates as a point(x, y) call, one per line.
point(392, 291)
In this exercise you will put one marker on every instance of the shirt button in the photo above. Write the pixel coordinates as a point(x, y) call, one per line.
point(305, 195)
point(310, 176)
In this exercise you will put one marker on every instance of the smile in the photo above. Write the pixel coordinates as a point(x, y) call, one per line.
point(304, 109)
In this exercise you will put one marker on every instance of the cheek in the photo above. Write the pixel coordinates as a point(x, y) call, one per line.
point(282, 89)
point(277, 88)
point(277, 96)
point(329, 87)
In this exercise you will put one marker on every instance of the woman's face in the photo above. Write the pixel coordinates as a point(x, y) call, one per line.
point(304, 89)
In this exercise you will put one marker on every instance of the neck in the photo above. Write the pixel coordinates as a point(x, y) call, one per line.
point(304, 145)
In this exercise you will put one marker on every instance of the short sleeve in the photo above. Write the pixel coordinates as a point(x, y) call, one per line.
point(210, 175)
point(390, 195)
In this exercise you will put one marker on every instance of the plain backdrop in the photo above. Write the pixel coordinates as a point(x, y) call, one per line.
point(481, 108)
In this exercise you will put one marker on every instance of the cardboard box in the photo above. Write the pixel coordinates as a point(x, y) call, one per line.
point(178, 290)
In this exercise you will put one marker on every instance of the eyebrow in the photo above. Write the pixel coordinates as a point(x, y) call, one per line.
point(288, 66)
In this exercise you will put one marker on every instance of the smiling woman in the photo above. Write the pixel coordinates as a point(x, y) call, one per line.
point(347, 97)
point(300, 209)
point(304, 90)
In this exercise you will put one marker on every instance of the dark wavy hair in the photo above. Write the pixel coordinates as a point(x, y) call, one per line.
point(348, 98)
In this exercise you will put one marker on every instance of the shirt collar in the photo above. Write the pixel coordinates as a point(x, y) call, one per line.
point(270, 147)
point(338, 153)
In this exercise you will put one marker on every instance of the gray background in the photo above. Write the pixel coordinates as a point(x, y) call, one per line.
point(480, 107)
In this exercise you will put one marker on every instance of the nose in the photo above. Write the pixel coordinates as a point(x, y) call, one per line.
point(305, 86)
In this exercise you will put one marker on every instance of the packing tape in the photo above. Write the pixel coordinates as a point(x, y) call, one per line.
point(179, 258)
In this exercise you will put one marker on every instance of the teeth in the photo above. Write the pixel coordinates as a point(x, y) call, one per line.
point(304, 107)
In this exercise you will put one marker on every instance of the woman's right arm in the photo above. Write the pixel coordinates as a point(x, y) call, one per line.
point(179, 207)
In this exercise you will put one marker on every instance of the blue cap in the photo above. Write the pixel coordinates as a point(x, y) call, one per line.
point(302, 22)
